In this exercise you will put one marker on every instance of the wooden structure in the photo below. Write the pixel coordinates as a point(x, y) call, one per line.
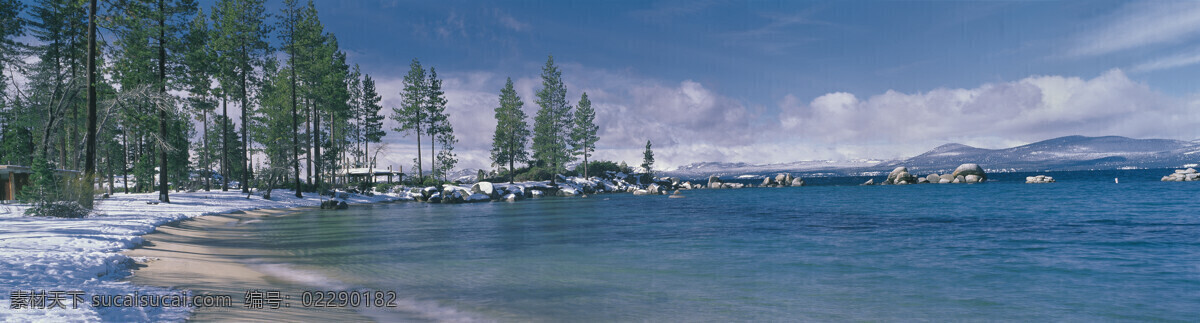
point(13, 178)
point(372, 174)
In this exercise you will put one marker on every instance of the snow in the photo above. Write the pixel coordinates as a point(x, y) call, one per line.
point(50, 254)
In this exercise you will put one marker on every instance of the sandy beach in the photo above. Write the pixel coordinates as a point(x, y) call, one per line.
point(209, 255)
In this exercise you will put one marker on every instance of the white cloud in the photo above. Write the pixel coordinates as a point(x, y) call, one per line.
point(510, 22)
point(993, 115)
point(1140, 24)
point(1173, 61)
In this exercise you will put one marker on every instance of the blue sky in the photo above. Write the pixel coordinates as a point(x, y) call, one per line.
point(778, 81)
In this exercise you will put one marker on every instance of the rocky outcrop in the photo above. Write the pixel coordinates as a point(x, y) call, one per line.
point(970, 169)
point(714, 182)
point(782, 180)
point(485, 188)
point(798, 182)
point(900, 176)
point(1183, 175)
point(1039, 179)
point(870, 182)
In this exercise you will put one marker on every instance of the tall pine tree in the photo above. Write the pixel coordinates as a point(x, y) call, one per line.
point(512, 132)
point(583, 131)
point(410, 116)
point(552, 125)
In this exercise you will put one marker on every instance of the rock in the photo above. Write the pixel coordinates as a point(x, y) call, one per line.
point(435, 198)
point(641, 192)
point(714, 180)
point(485, 188)
point(767, 182)
point(1191, 177)
point(733, 185)
point(478, 197)
point(922, 180)
point(943, 181)
point(342, 195)
point(970, 169)
point(1189, 171)
point(798, 182)
point(870, 182)
point(428, 192)
point(973, 179)
point(959, 179)
point(686, 185)
point(900, 176)
point(1039, 179)
point(537, 193)
point(513, 197)
point(933, 178)
point(342, 205)
point(949, 178)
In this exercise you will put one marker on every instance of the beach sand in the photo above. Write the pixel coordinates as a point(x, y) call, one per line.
point(210, 255)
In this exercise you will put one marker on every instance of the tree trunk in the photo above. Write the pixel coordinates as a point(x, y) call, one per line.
point(207, 164)
point(89, 168)
point(162, 113)
point(317, 149)
point(125, 158)
point(295, 117)
point(245, 138)
point(224, 143)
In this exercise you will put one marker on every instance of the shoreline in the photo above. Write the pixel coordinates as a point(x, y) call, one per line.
point(209, 254)
point(89, 254)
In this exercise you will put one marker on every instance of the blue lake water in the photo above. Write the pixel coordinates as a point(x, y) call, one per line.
point(1082, 249)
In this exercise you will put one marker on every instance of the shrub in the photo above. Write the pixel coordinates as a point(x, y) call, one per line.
point(384, 187)
point(535, 174)
point(58, 209)
point(597, 168)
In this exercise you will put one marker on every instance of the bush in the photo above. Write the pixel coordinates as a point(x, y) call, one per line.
point(384, 187)
point(535, 174)
point(58, 209)
point(597, 168)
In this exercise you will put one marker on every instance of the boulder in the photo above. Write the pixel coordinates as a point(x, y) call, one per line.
point(1039, 179)
point(767, 182)
point(342, 205)
point(900, 176)
point(959, 179)
point(1189, 171)
point(949, 178)
point(513, 197)
point(435, 198)
point(943, 181)
point(686, 185)
point(733, 185)
point(641, 192)
point(933, 178)
point(714, 180)
point(485, 188)
point(970, 169)
point(973, 179)
point(870, 182)
point(797, 182)
point(536, 193)
point(922, 180)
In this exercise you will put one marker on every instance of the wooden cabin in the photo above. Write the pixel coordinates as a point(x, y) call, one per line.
point(15, 177)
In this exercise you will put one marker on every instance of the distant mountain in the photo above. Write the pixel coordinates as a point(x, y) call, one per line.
point(1063, 153)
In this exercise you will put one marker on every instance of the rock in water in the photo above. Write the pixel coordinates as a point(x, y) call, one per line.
point(900, 175)
point(933, 178)
point(970, 169)
point(342, 205)
point(798, 182)
point(767, 182)
point(870, 182)
point(973, 179)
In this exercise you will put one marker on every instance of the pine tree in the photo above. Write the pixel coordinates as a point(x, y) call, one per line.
point(197, 78)
point(552, 125)
point(410, 116)
point(512, 132)
point(289, 26)
point(583, 132)
point(241, 28)
point(437, 122)
point(648, 158)
point(372, 121)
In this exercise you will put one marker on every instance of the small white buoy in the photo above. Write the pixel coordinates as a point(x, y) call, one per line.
point(1115, 180)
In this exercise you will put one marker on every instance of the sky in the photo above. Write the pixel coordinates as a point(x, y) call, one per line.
point(781, 81)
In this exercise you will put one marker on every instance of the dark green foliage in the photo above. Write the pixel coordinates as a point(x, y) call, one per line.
point(584, 131)
point(599, 167)
point(535, 174)
point(16, 146)
point(58, 209)
point(512, 132)
point(410, 116)
point(552, 125)
point(648, 158)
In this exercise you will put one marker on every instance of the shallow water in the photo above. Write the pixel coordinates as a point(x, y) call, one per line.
point(1082, 249)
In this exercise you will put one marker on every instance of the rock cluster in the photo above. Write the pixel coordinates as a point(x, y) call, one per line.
point(715, 182)
point(1183, 175)
point(782, 180)
point(965, 173)
point(1040, 179)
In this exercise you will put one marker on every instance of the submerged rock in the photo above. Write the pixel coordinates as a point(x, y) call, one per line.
point(870, 182)
point(1039, 179)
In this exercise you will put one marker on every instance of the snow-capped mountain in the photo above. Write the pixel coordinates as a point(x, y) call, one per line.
point(1063, 153)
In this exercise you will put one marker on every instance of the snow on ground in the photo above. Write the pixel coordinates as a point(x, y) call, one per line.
point(48, 254)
